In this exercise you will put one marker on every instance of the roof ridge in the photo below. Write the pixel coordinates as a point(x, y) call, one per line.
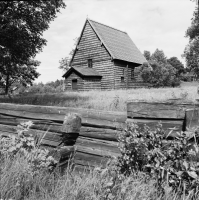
point(108, 26)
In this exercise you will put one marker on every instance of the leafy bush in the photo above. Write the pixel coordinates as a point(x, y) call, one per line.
point(24, 145)
point(168, 162)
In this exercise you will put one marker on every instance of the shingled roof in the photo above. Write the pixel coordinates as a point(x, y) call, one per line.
point(118, 43)
point(83, 72)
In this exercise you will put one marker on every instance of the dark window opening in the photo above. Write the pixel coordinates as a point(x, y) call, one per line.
point(122, 79)
point(90, 63)
point(74, 84)
point(132, 74)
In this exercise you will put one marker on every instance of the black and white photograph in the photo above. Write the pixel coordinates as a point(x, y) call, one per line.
point(99, 100)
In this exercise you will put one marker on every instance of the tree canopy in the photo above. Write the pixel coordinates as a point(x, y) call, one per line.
point(159, 57)
point(177, 65)
point(14, 75)
point(191, 52)
point(162, 71)
point(22, 24)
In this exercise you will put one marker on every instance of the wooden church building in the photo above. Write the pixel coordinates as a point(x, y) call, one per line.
point(104, 58)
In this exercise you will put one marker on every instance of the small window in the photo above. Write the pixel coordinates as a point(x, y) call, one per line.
point(132, 74)
point(123, 71)
point(122, 79)
point(90, 63)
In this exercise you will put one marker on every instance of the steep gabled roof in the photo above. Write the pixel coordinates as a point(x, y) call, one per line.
point(118, 43)
point(83, 72)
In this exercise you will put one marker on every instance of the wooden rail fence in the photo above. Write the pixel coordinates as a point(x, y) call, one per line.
point(173, 115)
point(97, 138)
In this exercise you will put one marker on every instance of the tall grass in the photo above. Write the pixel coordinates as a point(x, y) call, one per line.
point(114, 100)
point(17, 183)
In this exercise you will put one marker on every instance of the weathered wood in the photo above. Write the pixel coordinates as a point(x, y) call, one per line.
point(99, 133)
point(96, 151)
point(192, 118)
point(93, 118)
point(166, 110)
point(87, 159)
point(72, 123)
point(171, 127)
point(97, 145)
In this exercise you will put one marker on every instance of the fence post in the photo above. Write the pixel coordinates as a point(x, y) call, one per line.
point(70, 132)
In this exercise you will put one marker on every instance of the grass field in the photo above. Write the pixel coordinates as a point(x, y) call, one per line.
point(114, 100)
point(17, 183)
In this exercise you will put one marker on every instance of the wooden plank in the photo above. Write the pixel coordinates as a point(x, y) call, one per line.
point(7, 129)
point(84, 113)
point(157, 110)
point(99, 133)
point(171, 127)
point(96, 151)
point(86, 159)
point(192, 119)
point(97, 145)
point(89, 118)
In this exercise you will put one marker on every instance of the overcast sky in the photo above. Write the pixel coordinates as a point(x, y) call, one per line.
point(151, 24)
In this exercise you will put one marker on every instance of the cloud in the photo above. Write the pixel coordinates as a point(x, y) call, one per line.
point(150, 24)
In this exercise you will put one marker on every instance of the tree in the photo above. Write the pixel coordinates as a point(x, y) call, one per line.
point(160, 75)
point(147, 55)
point(177, 65)
point(64, 63)
point(159, 57)
point(12, 75)
point(191, 52)
point(22, 24)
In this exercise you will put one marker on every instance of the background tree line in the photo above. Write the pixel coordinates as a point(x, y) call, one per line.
point(160, 71)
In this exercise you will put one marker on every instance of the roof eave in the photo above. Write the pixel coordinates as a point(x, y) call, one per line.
point(128, 61)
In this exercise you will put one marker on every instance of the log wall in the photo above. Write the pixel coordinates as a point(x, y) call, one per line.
point(90, 47)
point(97, 138)
point(121, 70)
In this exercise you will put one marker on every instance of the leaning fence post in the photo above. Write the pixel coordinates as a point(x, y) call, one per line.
point(70, 132)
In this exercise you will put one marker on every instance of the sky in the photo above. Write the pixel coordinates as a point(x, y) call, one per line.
point(151, 24)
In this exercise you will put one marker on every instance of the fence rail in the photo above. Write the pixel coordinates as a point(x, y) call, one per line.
point(97, 138)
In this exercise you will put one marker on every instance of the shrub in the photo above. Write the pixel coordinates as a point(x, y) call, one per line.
point(24, 145)
point(171, 162)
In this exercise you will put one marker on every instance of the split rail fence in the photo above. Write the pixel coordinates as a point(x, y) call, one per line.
point(97, 138)
point(96, 141)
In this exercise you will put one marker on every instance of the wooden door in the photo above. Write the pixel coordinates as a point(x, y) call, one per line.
point(74, 84)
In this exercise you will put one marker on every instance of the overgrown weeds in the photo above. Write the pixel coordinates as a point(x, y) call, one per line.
point(149, 168)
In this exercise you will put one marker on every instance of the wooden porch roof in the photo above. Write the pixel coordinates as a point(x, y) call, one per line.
point(83, 72)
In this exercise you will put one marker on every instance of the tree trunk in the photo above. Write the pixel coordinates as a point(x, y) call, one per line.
point(7, 84)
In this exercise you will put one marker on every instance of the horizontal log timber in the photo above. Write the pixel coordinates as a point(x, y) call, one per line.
point(84, 113)
point(98, 145)
point(93, 118)
point(171, 127)
point(99, 133)
point(96, 151)
point(47, 138)
point(56, 128)
point(165, 110)
point(86, 159)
